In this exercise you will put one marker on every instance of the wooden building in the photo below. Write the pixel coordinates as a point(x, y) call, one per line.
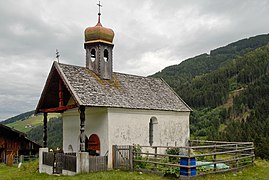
point(14, 143)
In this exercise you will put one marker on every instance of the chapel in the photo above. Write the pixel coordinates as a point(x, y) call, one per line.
point(101, 108)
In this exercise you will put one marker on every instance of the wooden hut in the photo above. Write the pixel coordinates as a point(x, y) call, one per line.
point(15, 143)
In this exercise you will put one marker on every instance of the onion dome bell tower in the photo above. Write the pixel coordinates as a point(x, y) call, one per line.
point(99, 47)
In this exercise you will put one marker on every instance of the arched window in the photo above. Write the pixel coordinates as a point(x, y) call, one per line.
point(105, 55)
point(93, 55)
point(152, 127)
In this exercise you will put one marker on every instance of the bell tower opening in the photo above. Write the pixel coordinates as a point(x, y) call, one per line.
point(105, 55)
point(93, 55)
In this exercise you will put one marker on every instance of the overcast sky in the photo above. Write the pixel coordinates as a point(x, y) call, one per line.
point(149, 35)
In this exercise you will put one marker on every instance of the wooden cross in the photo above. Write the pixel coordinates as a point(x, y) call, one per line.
point(99, 4)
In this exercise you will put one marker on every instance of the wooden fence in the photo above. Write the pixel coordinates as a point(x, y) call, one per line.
point(48, 158)
point(122, 157)
point(60, 161)
point(98, 163)
point(23, 158)
point(68, 161)
point(197, 159)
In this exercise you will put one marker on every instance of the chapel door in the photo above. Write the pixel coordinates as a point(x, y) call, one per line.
point(94, 145)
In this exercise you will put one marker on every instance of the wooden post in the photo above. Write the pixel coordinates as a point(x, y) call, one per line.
point(189, 161)
point(215, 158)
point(236, 156)
point(45, 131)
point(131, 158)
point(61, 101)
point(82, 128)
point(113, 156)
point(252, 153)
point(155, 156)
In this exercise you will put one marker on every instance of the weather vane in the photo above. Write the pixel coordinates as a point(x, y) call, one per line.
point(99, 4)
point(58, 55)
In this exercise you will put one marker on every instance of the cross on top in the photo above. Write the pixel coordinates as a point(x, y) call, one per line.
point(57, 55)
point(99, 4)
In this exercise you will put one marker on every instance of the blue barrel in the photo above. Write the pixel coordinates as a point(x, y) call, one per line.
point(184, 161)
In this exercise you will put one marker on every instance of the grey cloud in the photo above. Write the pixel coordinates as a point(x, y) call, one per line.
point(149, 34)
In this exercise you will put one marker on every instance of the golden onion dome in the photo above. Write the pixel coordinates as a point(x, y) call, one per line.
point(98, 33)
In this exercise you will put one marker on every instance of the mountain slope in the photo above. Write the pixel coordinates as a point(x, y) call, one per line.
point(19, 117)
point(179, 75)
point(27, 124)
point(229, 94)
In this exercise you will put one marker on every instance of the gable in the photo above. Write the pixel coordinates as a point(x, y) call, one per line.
point(55, 95)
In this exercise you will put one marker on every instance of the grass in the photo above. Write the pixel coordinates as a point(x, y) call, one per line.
point(30, 171)
point(33, 121)
point(260, 171)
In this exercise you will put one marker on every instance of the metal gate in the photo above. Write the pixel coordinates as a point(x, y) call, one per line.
point(58, 163)
point(122, 157)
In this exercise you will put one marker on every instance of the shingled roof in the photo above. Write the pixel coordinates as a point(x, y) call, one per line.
point(122, 91)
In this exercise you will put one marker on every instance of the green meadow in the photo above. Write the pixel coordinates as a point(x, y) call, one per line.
point(29, 170)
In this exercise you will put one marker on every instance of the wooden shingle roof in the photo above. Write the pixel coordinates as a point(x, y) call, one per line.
point(122, 91)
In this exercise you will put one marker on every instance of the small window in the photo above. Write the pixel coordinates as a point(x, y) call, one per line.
point(152, 127)
point(105, 55)
point(93, 55)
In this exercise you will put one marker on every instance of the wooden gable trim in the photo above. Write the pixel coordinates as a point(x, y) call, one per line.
point(45, 89)
point(62, 81)
point(58, 109)
point(68, 85)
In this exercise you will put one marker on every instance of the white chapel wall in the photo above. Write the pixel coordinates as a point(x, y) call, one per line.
point(95, 123)
point(130, 126)
point(71, 130)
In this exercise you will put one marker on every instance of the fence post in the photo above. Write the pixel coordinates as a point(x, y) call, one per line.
point(236, 156)
point(131, 157)
point(114, 156)
point(189, 161)
point(215, 158)
point(252, 153)
point(155, 156)
point(21, 158)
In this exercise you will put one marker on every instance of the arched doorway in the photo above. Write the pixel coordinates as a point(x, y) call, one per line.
point(94, 145)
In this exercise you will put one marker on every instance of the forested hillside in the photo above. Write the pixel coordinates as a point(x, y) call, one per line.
point(229, 92)
point(55, 133)
point(177, 76)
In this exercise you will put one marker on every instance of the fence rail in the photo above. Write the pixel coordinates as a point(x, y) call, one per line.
point(23, 158)
point(48, 158)
point(199, 158)
point(98, 163)
point(70, 162)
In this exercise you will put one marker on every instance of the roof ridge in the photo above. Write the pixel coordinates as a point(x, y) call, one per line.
point(135, 75)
